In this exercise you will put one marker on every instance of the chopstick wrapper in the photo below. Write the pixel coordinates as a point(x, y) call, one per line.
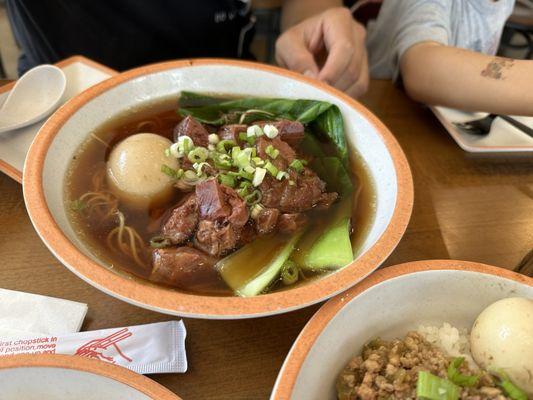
point(146, 349)
point(26, 314)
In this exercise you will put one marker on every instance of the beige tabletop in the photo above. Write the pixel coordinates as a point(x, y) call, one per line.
point(470, 207)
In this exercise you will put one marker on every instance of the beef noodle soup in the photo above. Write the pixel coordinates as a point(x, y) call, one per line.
point(221, 196)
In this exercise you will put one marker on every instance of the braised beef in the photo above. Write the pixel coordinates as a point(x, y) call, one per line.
point(183, 267)
point(182, 221)
point(290, 223)
point(223, 214)
point(189, 126)
point(266, 220)
point(231, 132)
point(286, 152)
point(289, 131)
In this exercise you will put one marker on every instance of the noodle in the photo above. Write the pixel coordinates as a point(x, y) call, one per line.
point(126, 239)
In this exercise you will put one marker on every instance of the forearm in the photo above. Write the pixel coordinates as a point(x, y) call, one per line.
point(457, 78)
point(295, 11)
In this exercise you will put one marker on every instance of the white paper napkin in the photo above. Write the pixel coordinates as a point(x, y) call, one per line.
point(22, 313)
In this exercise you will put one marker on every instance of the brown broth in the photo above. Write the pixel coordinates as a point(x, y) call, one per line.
point(160, 117)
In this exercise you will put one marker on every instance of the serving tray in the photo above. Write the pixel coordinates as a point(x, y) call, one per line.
point(81, 74)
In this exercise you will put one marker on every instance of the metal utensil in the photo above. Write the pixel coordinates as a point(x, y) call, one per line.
point(482, 126)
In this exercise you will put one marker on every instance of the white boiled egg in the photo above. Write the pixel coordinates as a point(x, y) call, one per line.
point(502, 338)
point(134, 170)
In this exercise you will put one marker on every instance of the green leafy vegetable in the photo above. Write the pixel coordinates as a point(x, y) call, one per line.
point(458, 378)
point(268, 253)
point(431, 387)
point(289, 273)
point(510, 389)
point(324, 118)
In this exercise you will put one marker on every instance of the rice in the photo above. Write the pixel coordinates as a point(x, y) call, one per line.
point(455, 342)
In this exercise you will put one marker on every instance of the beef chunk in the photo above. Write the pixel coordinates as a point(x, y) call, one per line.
point(183, 267)
point(306, 193)
point(289, 131)
point(231, 132)
point(290, 223)
point(216, 237)
point(286, 152)
point(266, 220)
point(223, 214)
point(189, 126)
point(211, 200)
point(182, 221)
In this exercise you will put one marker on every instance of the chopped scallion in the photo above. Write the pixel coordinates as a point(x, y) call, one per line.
point(224, 145)
point(198, 155)
point(282, 174)
point(510, 389)
point(289, 273)
point(272, 151)
point(213, 138)
point(226, 180)
point(253, 198)
point(256, 210)
point(159, 242)
point(259, 175)
point(297, 165)
point(175, 174)
point(431, 387)
point(271, 169)
point(270, 131)
point(458, 378)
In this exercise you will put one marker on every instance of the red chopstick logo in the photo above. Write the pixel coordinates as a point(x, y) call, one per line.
point(95, 348)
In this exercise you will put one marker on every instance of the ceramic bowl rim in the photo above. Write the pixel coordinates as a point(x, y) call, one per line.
point(301, 347)
point(190, 305)
point(123, 375)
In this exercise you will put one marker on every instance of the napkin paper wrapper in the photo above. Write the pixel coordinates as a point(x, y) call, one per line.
point(145, 349)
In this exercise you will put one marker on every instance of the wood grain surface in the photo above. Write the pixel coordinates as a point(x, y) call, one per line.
point(477, 208)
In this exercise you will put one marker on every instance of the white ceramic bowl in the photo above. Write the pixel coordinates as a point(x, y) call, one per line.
point(58, 140)
point(60, 377)
point(388, 304)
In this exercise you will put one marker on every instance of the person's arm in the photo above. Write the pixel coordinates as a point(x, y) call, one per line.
point(316, 27)
point(441, 75)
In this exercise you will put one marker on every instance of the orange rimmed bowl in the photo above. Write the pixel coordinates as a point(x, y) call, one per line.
point(59, 139)
point(388, 304)
point(62, 377)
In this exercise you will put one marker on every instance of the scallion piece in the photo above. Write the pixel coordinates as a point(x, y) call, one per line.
point(271, 169)
point(297, 165)
point(198, 155)
point(243, 136)
point(458, 378)
point(272, 151)
point(282, 174)
point(259, 175)
point(159, 242)
point(253, 198)
point(226, 180)
point(185, 144)
point(224, 145)
point(510, 389)
point(289, 273)
point(254, 130)
point(213, 138)
point(270, 131)
point(175, 174)
point(256, 210)
point(431, 387)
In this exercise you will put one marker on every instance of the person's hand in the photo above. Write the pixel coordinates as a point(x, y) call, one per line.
point(335, 34)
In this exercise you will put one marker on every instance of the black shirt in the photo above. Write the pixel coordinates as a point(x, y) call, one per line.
point(126, 33)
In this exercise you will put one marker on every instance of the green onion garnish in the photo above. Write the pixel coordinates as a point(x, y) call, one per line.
point(289, 273)
point(458, 378)
point(224, 145)
point(226, 180)
point(272, 151)
point(253, 198)
point(173, 173)
point(282, 174)
point(198, 155)
point(259, 175)
point(271, 169)
point(296, 165)
point(159, 242)
point(510, 389)
point(431, 387)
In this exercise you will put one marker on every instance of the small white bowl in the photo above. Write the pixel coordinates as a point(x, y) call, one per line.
point(388, 304)
point(61, 377)
point(58, 140)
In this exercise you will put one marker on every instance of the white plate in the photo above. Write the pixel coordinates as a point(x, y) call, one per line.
point(503, 137)
point(81, 74)
point(60, 377)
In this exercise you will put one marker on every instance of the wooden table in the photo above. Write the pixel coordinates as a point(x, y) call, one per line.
point(469, 207)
